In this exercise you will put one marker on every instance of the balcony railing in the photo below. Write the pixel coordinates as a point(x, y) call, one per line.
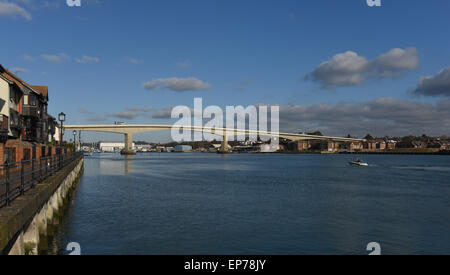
point(4, 123)
point(19, 177)
point(30, 111)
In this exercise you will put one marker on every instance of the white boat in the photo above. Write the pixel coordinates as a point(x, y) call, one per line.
point(359, 163)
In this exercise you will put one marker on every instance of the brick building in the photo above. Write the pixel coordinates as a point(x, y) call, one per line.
point(26, 129)
point(300, 145)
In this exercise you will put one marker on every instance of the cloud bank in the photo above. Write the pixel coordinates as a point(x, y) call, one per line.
point(379, 117)
point(382, 116)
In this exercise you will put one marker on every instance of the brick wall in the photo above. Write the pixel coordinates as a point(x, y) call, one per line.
point(2, 153)
point(19, 150)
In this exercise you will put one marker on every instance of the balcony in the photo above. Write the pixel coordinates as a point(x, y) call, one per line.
point(14, 120)
point(4, 128)
point(4, 123)
point(30, 111)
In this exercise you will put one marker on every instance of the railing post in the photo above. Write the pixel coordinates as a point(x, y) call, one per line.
point(22, 178)
point(40, 169)
point(32, 173)
point(7, 182)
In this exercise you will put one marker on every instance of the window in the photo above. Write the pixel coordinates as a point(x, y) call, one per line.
point(26, 154)
point(32, 100)
point(10, 155)
point(12, 95)
point(25, 100)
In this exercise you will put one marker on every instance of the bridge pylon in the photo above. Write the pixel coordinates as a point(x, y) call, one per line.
point(128, 150)
point(224, 147)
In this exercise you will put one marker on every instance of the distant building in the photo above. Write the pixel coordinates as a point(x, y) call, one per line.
point(267, 148)
point(300, 145)
point(419, 144)
point(378, 144)
point(144, 147)
point(445, 146)
point(355, 146)
point(391, 144)
point(182, 148)
point(334, 146)
point(111, 147)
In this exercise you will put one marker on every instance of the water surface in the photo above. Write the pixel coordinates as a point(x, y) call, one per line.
point(259, 204)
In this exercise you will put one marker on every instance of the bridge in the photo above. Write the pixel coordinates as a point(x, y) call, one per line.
point(225, 133)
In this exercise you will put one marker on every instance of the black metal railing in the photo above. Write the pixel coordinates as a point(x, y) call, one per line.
point(19, 177)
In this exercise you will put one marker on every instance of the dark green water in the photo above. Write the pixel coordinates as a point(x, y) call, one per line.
point(259, 204)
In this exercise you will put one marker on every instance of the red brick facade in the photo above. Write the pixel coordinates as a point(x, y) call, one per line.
point(16, 150)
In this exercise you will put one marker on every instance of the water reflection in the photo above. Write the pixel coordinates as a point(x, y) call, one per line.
point(128, 164)
point(114, 164)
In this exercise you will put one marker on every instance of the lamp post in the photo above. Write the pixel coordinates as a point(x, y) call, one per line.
point(61, 118)
point(79, 139)
point(74, 137)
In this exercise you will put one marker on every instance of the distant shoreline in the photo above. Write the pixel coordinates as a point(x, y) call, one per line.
point(442, 153)
point(385, 152)
point(365, 153)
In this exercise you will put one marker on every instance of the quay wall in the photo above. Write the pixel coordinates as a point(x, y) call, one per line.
point(31, 218)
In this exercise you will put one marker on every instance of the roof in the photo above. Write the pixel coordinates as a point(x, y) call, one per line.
point(10, 76)
point(43, 90)
point(6, 79)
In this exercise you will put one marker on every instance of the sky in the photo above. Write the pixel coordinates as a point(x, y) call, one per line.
point(340, 67)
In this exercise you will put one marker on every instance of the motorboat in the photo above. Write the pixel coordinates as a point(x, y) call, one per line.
point(359, 162)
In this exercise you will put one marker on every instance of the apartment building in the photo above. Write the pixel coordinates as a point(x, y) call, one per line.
point(26, 129)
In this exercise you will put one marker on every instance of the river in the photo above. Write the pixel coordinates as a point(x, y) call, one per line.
point(168, 203)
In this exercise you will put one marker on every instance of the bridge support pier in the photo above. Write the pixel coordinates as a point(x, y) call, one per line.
point(128, 145)
point(225, 148)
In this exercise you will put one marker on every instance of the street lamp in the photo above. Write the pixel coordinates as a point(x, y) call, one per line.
point(74, 137)
point(61, 118)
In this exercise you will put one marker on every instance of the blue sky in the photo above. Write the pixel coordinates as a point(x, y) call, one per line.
point(96, 58)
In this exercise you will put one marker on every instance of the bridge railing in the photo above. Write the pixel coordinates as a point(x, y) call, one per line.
point(19, 177)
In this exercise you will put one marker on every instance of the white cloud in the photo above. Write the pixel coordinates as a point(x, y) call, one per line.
point(344, 69)
point(134, 60)
point(177, 84)
point(124, 115)
point(349, 68)
point(138, 109)
point(28, 58)
point(87, 59)
point(164, 113)
point(184, 64)
point(14, 10)
point(56, 58)
point(19, 70)
point(395, 62)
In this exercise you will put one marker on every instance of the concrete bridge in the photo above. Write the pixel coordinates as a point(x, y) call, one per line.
point(225, 133)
